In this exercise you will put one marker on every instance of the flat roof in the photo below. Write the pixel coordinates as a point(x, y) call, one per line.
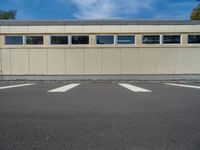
point(96, 22)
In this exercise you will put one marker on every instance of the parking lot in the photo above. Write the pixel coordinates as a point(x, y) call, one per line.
point(99, 115)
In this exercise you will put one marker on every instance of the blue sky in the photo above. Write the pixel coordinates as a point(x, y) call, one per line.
point(100, 9)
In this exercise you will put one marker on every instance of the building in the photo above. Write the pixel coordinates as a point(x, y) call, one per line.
point(100, 49)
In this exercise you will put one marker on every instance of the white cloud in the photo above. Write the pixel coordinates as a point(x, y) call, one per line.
point(104, 9)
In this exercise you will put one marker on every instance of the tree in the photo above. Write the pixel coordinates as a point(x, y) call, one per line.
point(11, 14)
point(196, 12)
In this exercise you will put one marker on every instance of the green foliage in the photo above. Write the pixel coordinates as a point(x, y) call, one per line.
point(11, 14)
point(196, 12)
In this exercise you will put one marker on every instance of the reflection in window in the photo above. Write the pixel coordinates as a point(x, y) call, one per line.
point(34, 40)
point(80, 39)
point(59, 40)
point(125, 39)
point(151, 39)
point(14, 40)
point(105, 39)
point(194, 39)
point(171, 39)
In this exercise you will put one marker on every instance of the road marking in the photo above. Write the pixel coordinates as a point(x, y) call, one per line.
point(134, 88)
point(13, 86)
point(184, 85)
point(64, 88)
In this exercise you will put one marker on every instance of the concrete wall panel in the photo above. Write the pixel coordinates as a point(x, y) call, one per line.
point(148, 61)
point(188, 61)
point(37, 29)
point(130, 28)
point(74, 61)
point(101, 61)
point(166, 61)
point(74, 29)
point(111, 29)
point(92, 61)
point(38, 61)
point(6, 61)
point(18, 29)
point(111, 61)
point(188, 28)
point(55, 29)
point(56, 61)
point(19, 61)
point(129, 61)
point(5, 29)
point(92, 29)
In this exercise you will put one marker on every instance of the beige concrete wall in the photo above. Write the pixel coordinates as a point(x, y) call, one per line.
point(19, 61)
point(38, 61)
point(148, 61)
point(56, 61)
point(74, 61)
point(81, 61)
point(111, 61)
point(6, 61)
point(94, 59)
point(129, 61)
point(101, 29)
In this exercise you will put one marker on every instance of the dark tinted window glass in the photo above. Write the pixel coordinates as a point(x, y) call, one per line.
point(194, 39)
point(59, 39)
point(122, 39)
point(105, 39)
point(80, 39)
point(171, 39)
point(34, 40)
point(13, 40)
point(151, 39)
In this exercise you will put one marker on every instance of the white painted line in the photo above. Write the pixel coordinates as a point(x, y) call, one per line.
point(64, 88)
point(134, 88)
point(184, 85)
point(13, 86)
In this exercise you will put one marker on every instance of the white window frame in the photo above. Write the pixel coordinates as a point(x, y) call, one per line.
point(35, 44)
point(192, 43)
point(71, 44)
point(126, 35)
point(114, 42)
point(58, 44)
point(151, 35)
point(181, 39)
point(4, 42)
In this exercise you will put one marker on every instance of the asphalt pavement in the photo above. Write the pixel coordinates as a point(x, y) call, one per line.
point(99, 116)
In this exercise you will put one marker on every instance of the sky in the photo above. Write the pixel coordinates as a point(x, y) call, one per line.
point(100, 9)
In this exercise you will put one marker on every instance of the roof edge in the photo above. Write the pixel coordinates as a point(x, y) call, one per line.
point(98, 22)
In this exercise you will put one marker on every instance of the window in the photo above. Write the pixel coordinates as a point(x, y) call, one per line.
point(125, 39)
point(194, 39)
point(34, 40)
point(80, 39)
point(14, 40)
point(59, 40)
point(171, 39)
point(105, 39)
point(151, 39)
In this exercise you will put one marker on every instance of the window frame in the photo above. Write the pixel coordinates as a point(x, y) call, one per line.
point(151, 35)
point(181, 39)
point(126, 35)
point(4, 41)
point(34, 44)
point(71, 36)
point(192, 43)
point(114, 40)
point(59, 44)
